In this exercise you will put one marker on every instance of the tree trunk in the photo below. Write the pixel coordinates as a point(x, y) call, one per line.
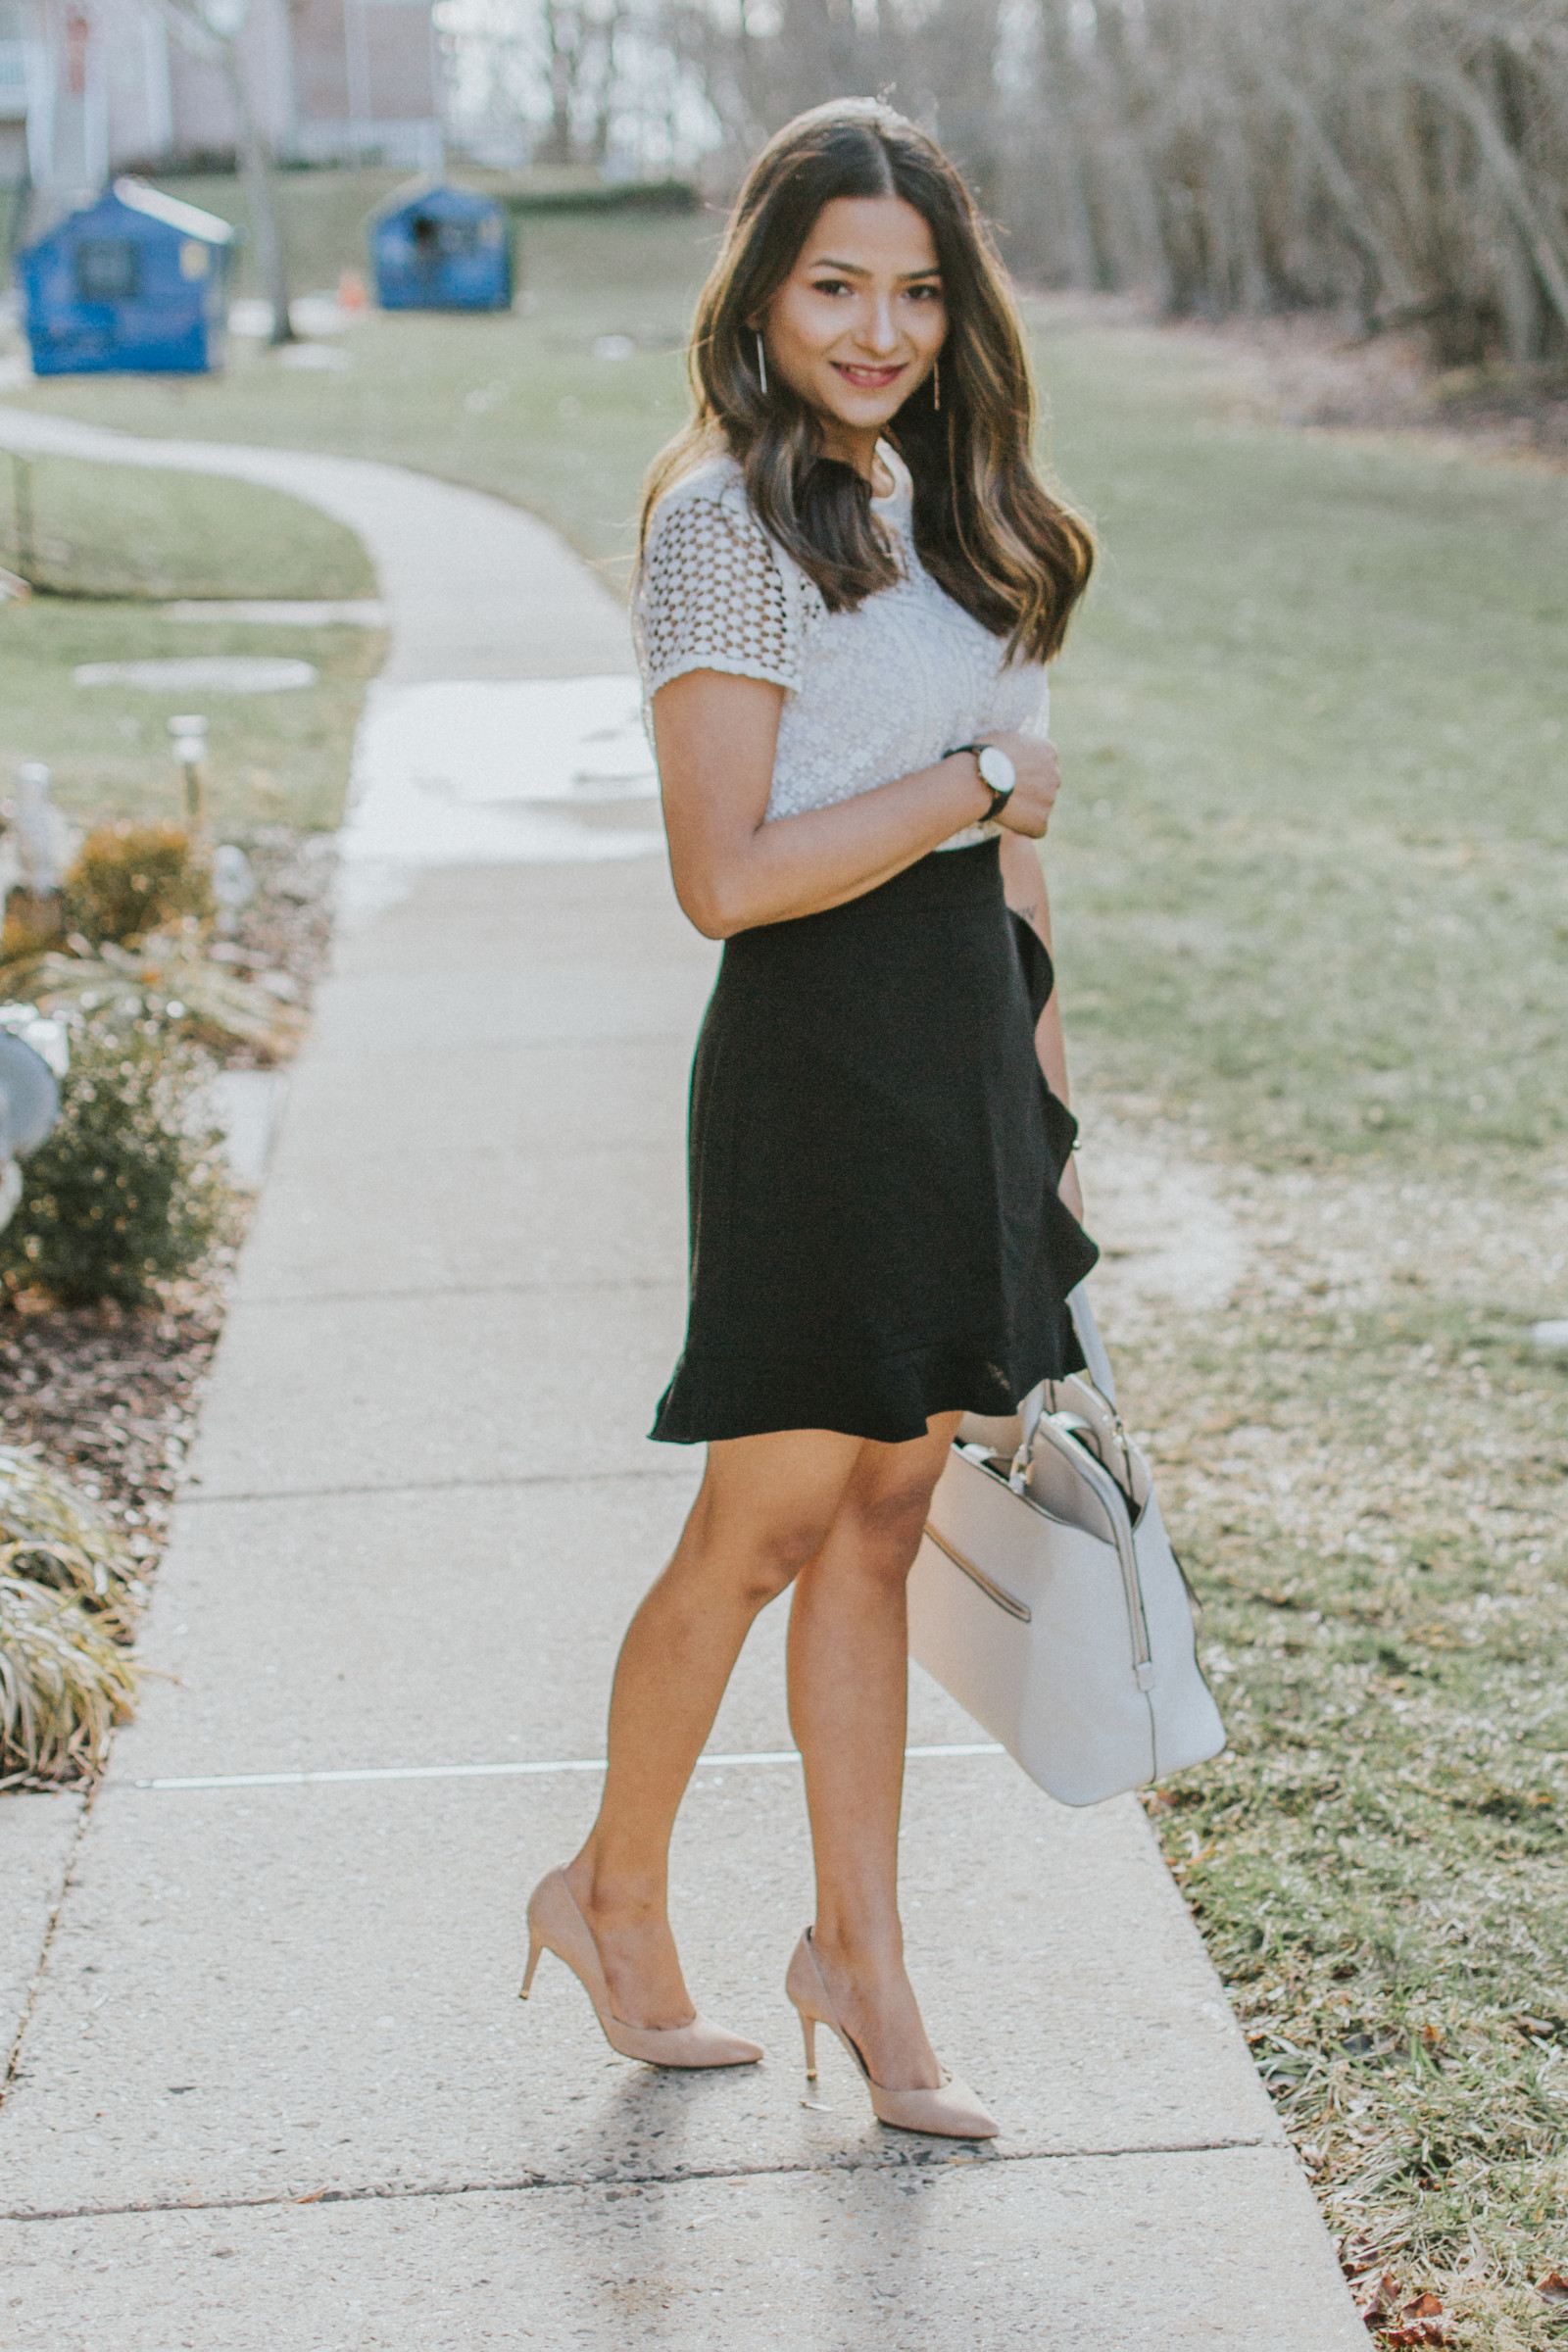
point(563, 57)
point(1059, 140)
point(1451, 85)
point(255, 165)
point(1394, 286)
point(605, 104)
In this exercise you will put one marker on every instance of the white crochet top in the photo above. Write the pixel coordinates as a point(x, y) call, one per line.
point(870, 695)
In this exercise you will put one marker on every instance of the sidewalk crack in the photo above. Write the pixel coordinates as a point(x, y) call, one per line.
point(35, 1985)
point(522, 2184)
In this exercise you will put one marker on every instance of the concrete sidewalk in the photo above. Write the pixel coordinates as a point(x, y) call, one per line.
point(275, 2092)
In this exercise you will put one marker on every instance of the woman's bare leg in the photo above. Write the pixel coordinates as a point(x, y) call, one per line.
point(765, 1509)
point(848, 1683)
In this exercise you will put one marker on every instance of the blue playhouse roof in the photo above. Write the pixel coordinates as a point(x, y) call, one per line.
point(437, 197)
point(187, 219)
point(149, 205)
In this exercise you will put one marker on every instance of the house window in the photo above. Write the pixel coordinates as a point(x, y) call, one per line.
point(107, 269)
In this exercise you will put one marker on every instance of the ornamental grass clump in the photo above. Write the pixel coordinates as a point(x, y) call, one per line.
point(63, 1681)
point(165, 979)
point(130, 1189)
point(131, 879)
point(69, 1591)
point(54, 1536)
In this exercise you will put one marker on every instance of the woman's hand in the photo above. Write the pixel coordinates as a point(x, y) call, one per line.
point(1028, 812)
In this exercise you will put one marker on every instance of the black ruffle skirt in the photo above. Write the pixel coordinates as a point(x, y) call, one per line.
point(876, 1232)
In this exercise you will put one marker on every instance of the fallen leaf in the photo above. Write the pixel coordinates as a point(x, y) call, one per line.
point(1421, 2320)
point(1383, 2302)
point(1555, 2287)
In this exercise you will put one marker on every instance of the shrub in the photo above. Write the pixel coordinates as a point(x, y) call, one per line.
point(130, 1189)
point(64, 1683)
point(129, 879)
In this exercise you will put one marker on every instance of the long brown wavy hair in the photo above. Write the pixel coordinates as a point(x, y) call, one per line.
point(985, 526)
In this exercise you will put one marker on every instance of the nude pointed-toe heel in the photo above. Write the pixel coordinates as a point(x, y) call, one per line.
point(952, 2112)
point(556, 1924)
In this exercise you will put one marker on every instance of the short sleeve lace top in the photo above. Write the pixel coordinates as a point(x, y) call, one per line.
point(869, 695)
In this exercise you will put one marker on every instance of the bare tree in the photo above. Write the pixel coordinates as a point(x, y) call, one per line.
point(580, 41)
point(1404, 160)
point(1408, 160)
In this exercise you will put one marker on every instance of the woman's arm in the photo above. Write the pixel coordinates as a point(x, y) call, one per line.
point(716, 736)
point(1024, 885)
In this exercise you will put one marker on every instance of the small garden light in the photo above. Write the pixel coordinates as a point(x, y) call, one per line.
point(190, 750)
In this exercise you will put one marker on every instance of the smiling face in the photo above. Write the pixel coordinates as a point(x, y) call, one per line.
point(860, 321)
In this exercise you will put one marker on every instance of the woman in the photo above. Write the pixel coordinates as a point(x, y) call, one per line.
point(851, 580)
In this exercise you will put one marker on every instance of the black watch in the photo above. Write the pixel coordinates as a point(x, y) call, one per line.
point(997, 771)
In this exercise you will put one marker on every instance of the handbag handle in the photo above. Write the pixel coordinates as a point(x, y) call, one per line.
point(1032, 1409)
point(1030, 1414)
point(1092, 1346)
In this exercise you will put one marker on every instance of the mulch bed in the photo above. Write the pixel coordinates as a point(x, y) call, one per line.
point(112, 1398)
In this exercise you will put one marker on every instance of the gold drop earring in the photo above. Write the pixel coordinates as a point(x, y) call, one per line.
point(936, 383)
point(761, 362)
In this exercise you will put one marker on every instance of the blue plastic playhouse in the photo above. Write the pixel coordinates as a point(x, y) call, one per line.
point(137, 281)
point(436, 248)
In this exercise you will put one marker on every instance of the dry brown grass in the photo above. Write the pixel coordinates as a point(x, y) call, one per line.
point(1364, 1460)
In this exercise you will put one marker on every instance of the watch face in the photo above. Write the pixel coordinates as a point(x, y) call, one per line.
point(997, 769)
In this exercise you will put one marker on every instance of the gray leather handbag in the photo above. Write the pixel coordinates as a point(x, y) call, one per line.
point(1047, 1599)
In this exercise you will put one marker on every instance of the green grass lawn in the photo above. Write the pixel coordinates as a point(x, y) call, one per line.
point(1309, 865)
point(119, 538)
point(1313, 853)
point(84, 530)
